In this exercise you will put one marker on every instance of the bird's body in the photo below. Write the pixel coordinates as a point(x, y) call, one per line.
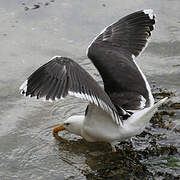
point(124, 107)
point(98, 126)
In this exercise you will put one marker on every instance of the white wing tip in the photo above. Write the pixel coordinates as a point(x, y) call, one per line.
point(23, 87)
point(142, 102)
point(54, 57)
point(149, 12)
point(133, 57)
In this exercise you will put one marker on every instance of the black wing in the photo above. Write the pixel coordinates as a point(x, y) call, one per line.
point(113, 53)
point(62, 76)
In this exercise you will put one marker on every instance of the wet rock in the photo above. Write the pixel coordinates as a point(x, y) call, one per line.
point(157, 150)
point(122, 165)
point(175, 105)
point(161, 93)
point(176, 65)
point(26, 8)
point(165, 175)
point(46, 4)
point(36, 6)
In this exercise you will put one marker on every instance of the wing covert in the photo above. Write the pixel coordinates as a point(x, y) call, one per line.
point(62, 76)
point(113, 53)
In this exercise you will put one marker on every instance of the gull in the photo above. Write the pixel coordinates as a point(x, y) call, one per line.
point(124, 106)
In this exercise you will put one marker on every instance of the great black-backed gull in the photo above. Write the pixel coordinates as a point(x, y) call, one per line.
point(125, 105)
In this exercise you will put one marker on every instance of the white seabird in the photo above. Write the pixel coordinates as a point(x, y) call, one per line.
point(124, 107)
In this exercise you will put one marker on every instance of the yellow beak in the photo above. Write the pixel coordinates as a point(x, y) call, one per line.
point(57, 129)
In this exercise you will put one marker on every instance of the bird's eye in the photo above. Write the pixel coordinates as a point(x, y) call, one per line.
point(66, 124)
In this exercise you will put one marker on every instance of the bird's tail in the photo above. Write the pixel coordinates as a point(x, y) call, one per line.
point(141, 118)
point(159, 103)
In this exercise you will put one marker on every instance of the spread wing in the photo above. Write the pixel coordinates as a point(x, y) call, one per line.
point(113, 53)
point(62, 76)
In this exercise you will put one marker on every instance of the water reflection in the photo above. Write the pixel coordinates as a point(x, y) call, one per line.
point(29, 38)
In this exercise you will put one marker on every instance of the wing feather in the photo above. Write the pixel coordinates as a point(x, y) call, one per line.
point(113, 52)
point(62, 76)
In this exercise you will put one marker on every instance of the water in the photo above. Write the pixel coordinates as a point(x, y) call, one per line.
point(31, 33)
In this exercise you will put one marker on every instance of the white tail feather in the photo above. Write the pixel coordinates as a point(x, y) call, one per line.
point(140, 118)
point(159, 103)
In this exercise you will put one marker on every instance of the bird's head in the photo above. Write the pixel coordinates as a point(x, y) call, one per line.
point(72, 124)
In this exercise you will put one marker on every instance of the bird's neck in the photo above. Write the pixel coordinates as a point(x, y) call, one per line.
point(77, 123)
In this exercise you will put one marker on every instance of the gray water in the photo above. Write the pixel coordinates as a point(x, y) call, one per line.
point(31, 32)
